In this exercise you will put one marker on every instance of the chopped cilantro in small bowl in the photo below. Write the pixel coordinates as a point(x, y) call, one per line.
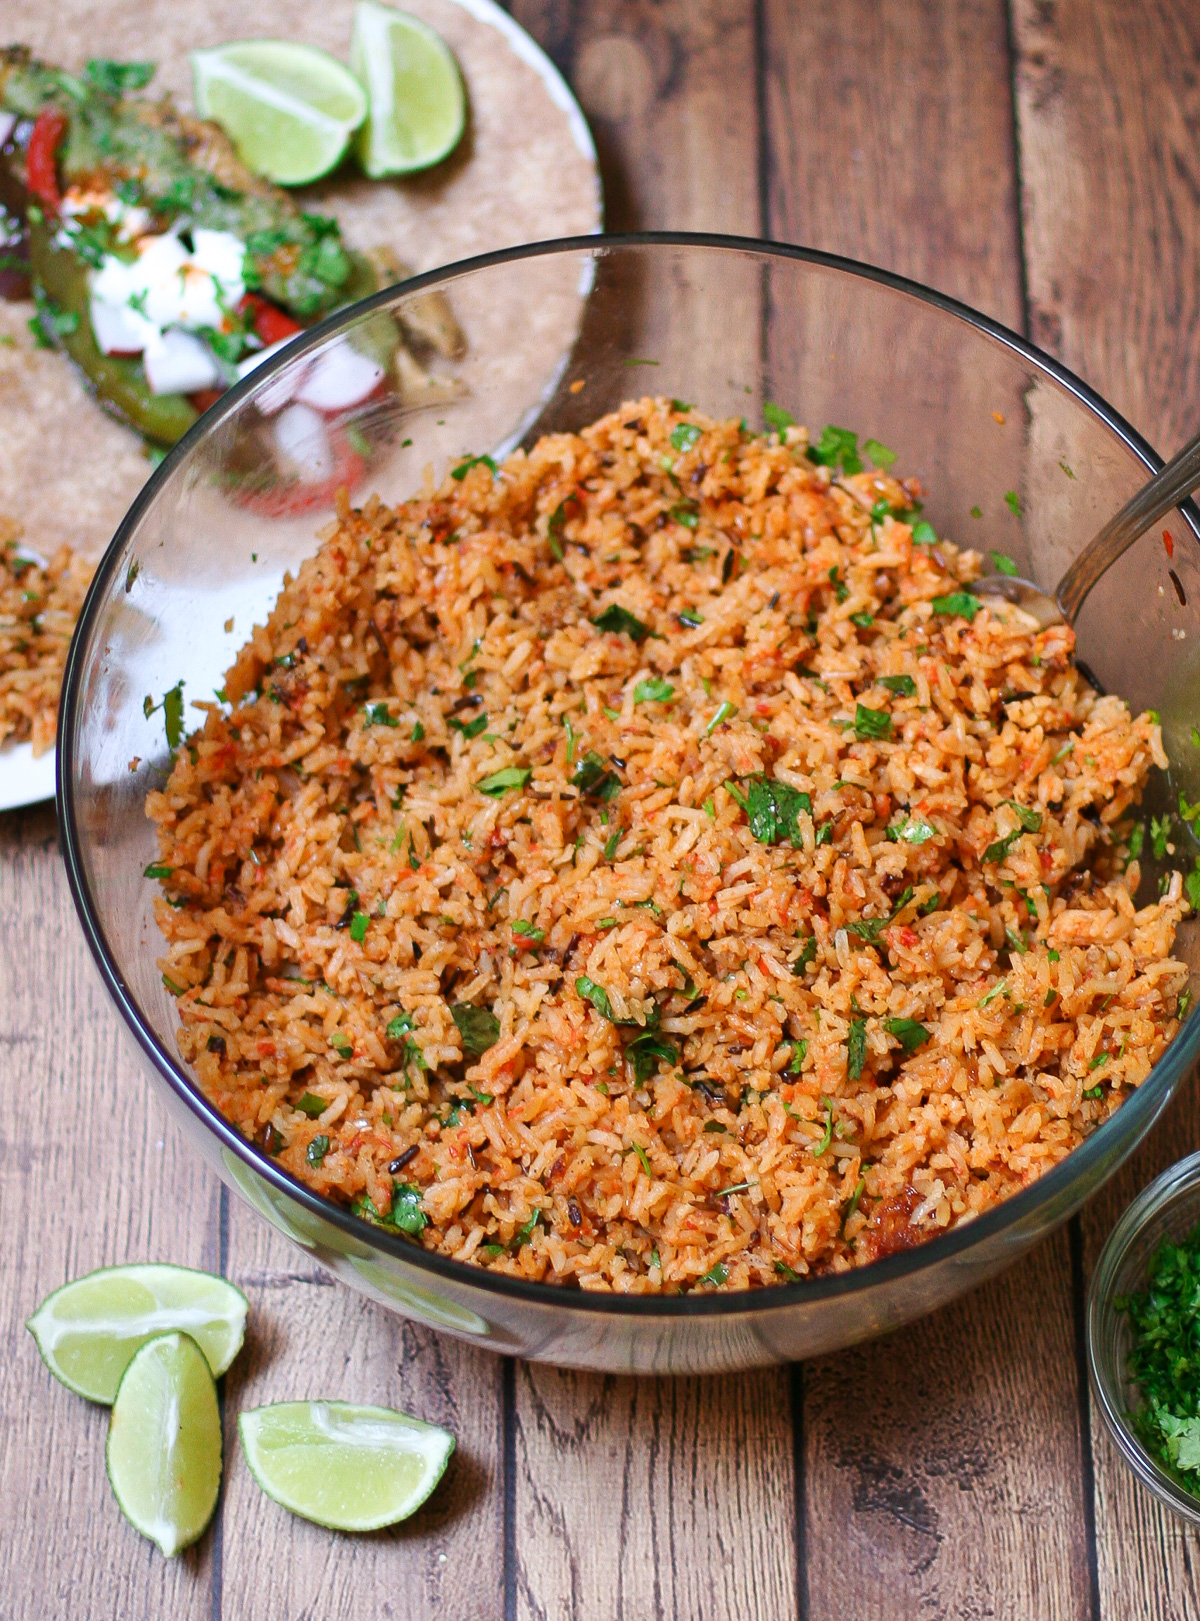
point(1143, 1337)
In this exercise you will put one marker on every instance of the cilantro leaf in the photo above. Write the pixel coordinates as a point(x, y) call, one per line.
point(595, 994)
point(115, 78)
point(958, 605)
point(618, 619)
point(377, 715)
point(685, 436)
point(406, 1213)
point(502, 782)
point(902, 685)
point(777, 418)
point(1004, 563)
point(591, 776)
point(478, 1027)
point(464, 467)
point(879, 454)
point(653, 691)
point(773, 809)
point(871, 724)
point(856, 1048)
point(837, 447)
point(908, 1032)
point(644, 1052)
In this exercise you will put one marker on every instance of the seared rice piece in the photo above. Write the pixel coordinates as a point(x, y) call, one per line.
point(782, 912)
point(38, 610)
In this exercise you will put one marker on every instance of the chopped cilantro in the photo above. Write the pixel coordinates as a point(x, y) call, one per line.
point(312, 1105)
point(644, 1052)
point(358, 927)
point(418, 733)
point(1004, 563)
point(774, 808)
point(478, 1027)
point(908, 1032)
point(879, 454)
point(618, 620)
point(718, 1274)
point(529, 931)
point(916, 830)
point(591, 776)
point(856, 1049)
point(468, 728)
point(157, 870)
point(923, 533)
point(725, 711)
point(958, 605)
point(1013, 502)
point(837, 447)
point(464, 467)
point(806, 956)
point(316, 1151)
point(871, 724)
point(653, 691)
point(595, 994)
point(902, 685)
point(502, 782)
point(776, 418)
point(685, 436)
point(690, 618)
point(406, 1213)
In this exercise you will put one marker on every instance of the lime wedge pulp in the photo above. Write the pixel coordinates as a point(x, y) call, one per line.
point(289, 109)
point(89, 1330)
point(348, 1468)
point(164, 1442)
point(414, 89)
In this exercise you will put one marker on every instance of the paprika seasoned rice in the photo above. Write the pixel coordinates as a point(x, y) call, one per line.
point(645, 865)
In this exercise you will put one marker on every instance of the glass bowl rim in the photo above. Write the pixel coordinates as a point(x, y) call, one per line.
point(1055, 1183)
point(1182, 1180)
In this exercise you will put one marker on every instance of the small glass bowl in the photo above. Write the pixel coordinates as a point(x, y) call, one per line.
point(1168, 1208)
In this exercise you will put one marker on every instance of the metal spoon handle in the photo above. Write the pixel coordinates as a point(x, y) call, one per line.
point(1154, 500)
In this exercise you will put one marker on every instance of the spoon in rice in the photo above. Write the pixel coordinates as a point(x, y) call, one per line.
point(1153, 501)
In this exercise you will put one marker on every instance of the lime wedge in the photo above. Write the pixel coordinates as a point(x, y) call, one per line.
point(289, 109)
point(164, 1442)
point(89, 1330)
point(417, 104)
point(348, 1468)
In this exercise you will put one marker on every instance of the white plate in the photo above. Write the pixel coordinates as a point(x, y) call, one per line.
point(24, 780)
point(526, 135)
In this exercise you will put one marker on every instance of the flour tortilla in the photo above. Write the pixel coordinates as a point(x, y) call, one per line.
point(524, 171)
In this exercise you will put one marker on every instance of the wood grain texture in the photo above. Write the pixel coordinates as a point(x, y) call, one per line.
point(91, 1174)
point(310, 1337)
point(1109, 114)
point(929, 1457)
point(942, 1465)
point(1109, 106)
point(643, 1499)
point(889, 138)
point(671, 1498)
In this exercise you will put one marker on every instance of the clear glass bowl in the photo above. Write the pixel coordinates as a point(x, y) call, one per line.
point(1168, 1208)
point(556, 334)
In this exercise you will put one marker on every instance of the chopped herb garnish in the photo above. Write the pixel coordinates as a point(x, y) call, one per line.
point(1004, 563)
point(999, 850)
point(856, 1048)
point(418, 733)
point(468, 728)
point(690, 618)
point(828, 1136)
point(799, 1053)
point(316, 1151)
point(725, 711)
point(958, 605)
point(653, 691)
point(617, 620)
point(806, 956)
point(871, 724)
point(1013, 502)
point(157, 870)
point(837, 447)
point(777, 418)
point(923, 533)
point(879, 454)
point(595, 994)
point(1094, 1091)
point(1029, 819)
point(685, 436)
point(644, 1052)
point(478, 1027)
point(719, 1274)
point(313, 1106)
point(592, 776)
point(902, 685)
point(999, 989)
point(464, 467)
point(529, 931)
point(863, 620)
point(406, 1213)
point(916, 829)
point(774, 809)
point(172, 708)
point(854, 1198)
point(908, 1032)
point(503, 782)
point(377, 715)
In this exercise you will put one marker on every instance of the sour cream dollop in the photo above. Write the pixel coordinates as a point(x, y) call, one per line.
point(168, 286)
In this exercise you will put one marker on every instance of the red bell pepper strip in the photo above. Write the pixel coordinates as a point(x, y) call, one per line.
point(41, 171)
point(270, 323)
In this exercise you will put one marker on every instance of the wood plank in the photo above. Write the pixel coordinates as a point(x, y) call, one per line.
point(1109, 112)
point(639, 1499)
point(673, 1497)
point(889, 138)
point(312, 1338)
point(91, 1174)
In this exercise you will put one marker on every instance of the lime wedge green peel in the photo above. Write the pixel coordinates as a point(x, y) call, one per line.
point(289, 109)
point(89, 1330)
point(417, 106)
point(348, 1468)
point(164, 1442)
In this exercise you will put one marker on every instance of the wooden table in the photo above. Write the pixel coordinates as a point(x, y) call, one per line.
point(1043, 163)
